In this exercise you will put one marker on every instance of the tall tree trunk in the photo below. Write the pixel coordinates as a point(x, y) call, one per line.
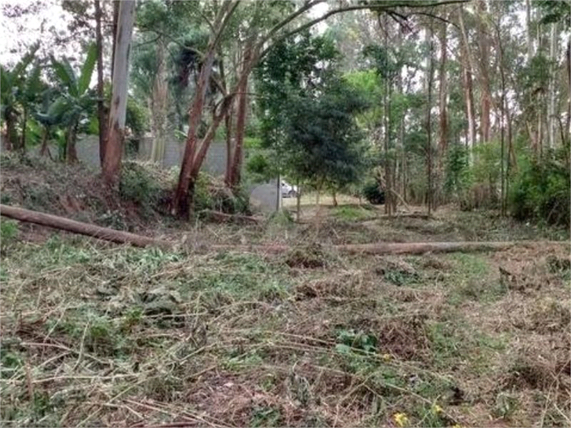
point(114, 26)
point(485, 97)
point(194, 155)
point(117, 114)
point(160, 103)
point(551, 117)
point(443, 140)
point(429, 75)
point(387, 129)
point(568, 62)
point(100, 89)
point(468, 84)
point(238, 155)
point(228, 127)
point(528, 30)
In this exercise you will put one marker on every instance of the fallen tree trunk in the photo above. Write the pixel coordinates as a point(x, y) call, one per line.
point(120, 237)
point(87, 229)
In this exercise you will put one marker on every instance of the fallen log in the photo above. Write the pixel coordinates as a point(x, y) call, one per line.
point(81, 228)
point(380, 248)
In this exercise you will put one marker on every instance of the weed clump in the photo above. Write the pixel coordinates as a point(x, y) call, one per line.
point(309, 257)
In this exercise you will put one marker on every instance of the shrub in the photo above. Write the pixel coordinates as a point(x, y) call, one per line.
point(541, 190)
point(211, 194)
point(372, 192)
point(138, 184)
point(8, 231)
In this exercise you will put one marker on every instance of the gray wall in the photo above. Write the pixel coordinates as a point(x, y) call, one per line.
point(215, 162)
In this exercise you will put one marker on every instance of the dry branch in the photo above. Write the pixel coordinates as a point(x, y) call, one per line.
point(120, 237)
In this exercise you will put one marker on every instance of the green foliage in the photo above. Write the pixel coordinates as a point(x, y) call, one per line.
point(352, 213)
point(138, 185)
point(307, 113)
point(137, 118)
point(348, 339)
point(211, 194)
point(373, 193)
point(458, 177)
point(8, 231)
point(541, 189)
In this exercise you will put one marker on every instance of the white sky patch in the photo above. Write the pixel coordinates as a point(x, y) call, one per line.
point(17, 34)
point(319, 10)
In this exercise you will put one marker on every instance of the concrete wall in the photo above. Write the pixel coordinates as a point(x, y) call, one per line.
point(215, 162)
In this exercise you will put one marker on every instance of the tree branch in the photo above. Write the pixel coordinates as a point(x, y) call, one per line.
point(372, 7)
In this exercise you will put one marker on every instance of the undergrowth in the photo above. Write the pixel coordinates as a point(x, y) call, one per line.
point(94, 334)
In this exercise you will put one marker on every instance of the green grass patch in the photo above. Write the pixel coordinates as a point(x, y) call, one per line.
point(352, 213)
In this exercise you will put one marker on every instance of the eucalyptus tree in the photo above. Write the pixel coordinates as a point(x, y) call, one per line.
point(287, 19)
point(116, 125)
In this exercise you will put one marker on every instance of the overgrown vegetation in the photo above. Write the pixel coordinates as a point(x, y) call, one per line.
point(309, 338)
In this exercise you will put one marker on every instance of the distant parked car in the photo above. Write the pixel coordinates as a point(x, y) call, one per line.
point(289, 191)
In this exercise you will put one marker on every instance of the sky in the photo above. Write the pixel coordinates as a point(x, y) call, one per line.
point(18, 33)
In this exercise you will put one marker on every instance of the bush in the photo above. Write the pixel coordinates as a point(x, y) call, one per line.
point(8, 231)
point(144, 186)
point(373, 194)
point(541, 190)
point(211, 194)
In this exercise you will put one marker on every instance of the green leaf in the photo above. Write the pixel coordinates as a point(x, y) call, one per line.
point(343, 349)
point(33, 84)
point(87, 69)
point(57, 110)
point(65, 74)
point(5, 82)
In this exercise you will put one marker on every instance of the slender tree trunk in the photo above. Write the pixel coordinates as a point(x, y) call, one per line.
point(100, 89)
point(117, 114)
point(468, 84)
point(443, 140)
point(24, 126)
point(484, 72)
point(236, 167)
point(528, 32)
point(160, 104)
point(387, 125)
point(228, 126)
point(71, 152)
point(11, 143)
point(279, 193)
point(298, 202)
point(551, 118)
point(183, 200)
point(429, 195)
point(334, 196)
point(116, 5)
point(44, 150)
point(568, 62)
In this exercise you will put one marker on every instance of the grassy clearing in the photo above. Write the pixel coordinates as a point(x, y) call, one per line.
point(99, 335)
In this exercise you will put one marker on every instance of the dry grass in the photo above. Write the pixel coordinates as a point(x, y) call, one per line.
point(95, 335)
point(99, 335)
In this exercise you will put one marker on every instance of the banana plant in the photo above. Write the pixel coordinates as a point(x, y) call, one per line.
point(16, 89)
point(75, 103)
